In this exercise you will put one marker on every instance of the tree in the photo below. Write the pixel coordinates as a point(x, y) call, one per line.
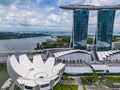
point(84, 79)
point(38, 45)
point(90, 40)
point(95, 77)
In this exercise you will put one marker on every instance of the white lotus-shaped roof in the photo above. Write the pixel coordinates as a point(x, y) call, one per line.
point(35, 73)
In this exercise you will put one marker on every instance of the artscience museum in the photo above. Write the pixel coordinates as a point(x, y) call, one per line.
point(35, 75)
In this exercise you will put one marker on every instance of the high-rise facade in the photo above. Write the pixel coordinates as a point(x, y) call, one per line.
point(105, 24)
point(80, 28)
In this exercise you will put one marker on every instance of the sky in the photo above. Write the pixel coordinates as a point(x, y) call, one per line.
point(46, 14)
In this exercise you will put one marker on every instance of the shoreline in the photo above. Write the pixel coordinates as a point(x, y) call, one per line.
point(14, 35)
point(24, 37)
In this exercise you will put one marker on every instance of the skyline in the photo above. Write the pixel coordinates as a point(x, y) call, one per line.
point(46, 14)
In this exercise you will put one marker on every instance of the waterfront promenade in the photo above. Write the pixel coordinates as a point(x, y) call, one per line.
point(4, 54)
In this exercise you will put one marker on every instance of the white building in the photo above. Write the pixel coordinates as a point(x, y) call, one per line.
point(73, 56)
point(109, 56)
point(116, 45)
point(35, 75)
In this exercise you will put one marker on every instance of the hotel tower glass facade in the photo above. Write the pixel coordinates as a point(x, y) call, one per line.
point(80, 28)
point(104, 31)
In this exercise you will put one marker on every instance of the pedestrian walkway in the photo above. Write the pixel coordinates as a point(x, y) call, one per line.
point(80, 87)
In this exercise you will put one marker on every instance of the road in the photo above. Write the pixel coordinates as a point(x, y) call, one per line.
point(80, 86)
point(4, 54)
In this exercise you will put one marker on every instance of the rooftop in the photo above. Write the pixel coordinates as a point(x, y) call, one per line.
point(90, 7)
point(32, 74)
point(58, 54)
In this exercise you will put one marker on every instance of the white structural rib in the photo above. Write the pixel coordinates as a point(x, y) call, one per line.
point(49, 63)
point(57, 68)
point(37, 61)
point(58, 54)
point(26, 82)
point(15, 68)
point(113, 52)
point(100, 56)
point(103, 55)
point(106, 53)
point(109, 52)
point(23, 59)
point(100, 67)
point(6, 84)
point(25, 62)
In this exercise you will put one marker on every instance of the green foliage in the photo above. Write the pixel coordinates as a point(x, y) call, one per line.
point(115, 39)
point(37, 46)
point(113, 78)
point(7, 88)
point(12, 35)
point(62, 42)
point(90, 40)
point(101, 80)
point(65, 87)
point(95, 77)
point(90, 79)
point(84, 88)
point(67, 78)
point(3, 75)
point(3, 68)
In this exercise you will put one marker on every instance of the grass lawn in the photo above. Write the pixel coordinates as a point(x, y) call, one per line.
point(65, 87)
point(60, 87)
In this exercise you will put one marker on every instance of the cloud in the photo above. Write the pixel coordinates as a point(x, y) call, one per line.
point(50, 8)
point(38, 1)
point(15, 16)
point(57, 20)
point(102, 2)
point(46, 13)
point(93, 16)
point(63, 2)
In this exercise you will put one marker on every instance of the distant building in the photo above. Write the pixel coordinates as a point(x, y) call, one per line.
point(51, 39)
point(116, 45)
point(91, 47)
point(80, 28)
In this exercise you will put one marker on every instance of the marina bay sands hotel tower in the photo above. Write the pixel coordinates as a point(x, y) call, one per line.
point(105, 24)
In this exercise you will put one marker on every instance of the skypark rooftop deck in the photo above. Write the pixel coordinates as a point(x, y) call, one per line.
point(90, 7)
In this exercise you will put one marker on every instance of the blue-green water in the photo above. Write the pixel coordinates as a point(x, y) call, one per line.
point(21, 44)
point(3, 75)
point(17, 44)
